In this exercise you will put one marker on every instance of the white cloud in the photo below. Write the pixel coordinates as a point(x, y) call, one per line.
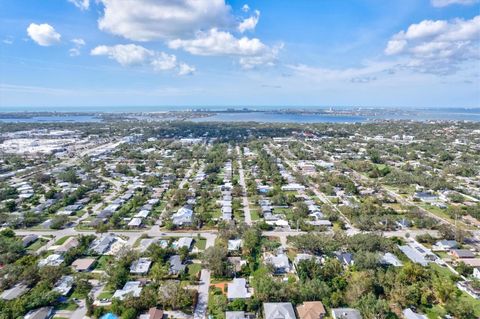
point(78, 44)
point(245, 8)
point(8, 40)
point(185, 69)
point(444, 3)
point(437, 47)
point(146, 20)
point(43, 34)
point(81, 4)
point(132, 54)
point(220, 43)
point(249, 23)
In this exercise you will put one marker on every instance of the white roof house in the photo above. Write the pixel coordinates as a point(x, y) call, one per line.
point(410, 314)
point(140, 266)
point(278, 310)
point(64, 285)
point(390, 259)
point(345, 313)
point(280, 262)
point(183, 242)
point(51, 260)
point(234, 244)
point(135, 222)
point(183, 216)
point(237, 289)
point(293, 187)
point(130, 288)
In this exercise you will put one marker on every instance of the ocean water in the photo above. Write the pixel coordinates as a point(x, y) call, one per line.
point(266, 116)
point(52, 119)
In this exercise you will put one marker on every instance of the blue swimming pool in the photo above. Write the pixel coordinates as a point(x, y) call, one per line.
point(109, 316)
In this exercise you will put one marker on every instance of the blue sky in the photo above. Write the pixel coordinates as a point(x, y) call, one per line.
point(405, 53)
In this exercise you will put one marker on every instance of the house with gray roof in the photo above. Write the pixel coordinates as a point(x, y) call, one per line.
point(280, 262)
point(40, 313)
point(390, 259)
point(237, 289)
point(132, 288)
point(345, 313)
point(64, 285)
point(235, 315)
point(184, 216)
point(14, 292)
point(278, 310)
point(101, 245)
point(176, 265)
point(410, 314)
point(140, 266)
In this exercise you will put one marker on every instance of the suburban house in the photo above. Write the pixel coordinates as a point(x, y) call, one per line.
point(14, 292)
point(101, 245)
point(64, 285)
point(444, 245)
point(311, 310)
point(130, 288)
point(140, 266)
point(235, 315)
point(153, 313)
point(183, 242)
point(40, 313)
point(390, 259)
point(278, 310)
point(83, 264)
point(345, 313)
point(461, 253)
point(410, 314)
point(70, 243)
point(234, 244)
point(280, 262)
point(176, 265)
point(184, 216)
point(237, 289)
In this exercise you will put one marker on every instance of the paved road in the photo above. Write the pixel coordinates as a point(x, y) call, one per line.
point(246, 204)
point(202, 302)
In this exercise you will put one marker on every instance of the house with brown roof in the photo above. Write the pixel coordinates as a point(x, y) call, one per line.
point(83, 264)
point(153, 313)
point(311, 310)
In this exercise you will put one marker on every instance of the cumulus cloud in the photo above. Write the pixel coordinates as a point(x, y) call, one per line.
point(81, 4)
point(218, 43)
point(249, 23)
point(145, 20)
point(43, 34)
point(132, 54)
point(185, 69)
point(245, 8)
point(444, 3)
point(77, 45)
point(437, 47)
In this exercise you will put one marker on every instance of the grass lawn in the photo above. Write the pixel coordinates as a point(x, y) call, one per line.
point(36, 245)
point(107, 293)
point(103, 262)
point(200, 243)
point(69, 305)
point(254, 214)
point(194, 269)
point(62, 240)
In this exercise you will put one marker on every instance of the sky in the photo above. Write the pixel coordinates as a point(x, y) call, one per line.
point(285, 53)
